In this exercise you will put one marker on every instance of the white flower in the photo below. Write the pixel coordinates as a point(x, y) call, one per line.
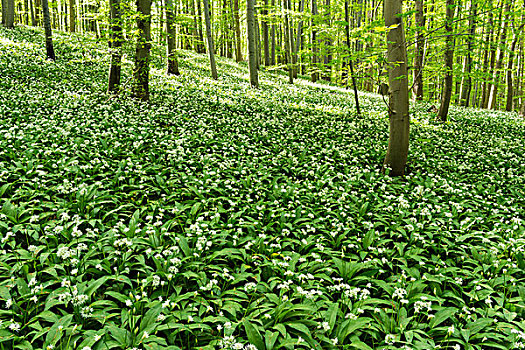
point(390, 339)
point(450, 330)
point(145, 335)
point(14, 326)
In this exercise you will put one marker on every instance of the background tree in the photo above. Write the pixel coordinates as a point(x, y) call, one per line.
point(173, 65)
point(252, 49)
point(449, 62)
point(50, 51)
point(142, 50)
point(115, 45)
point(209, 38)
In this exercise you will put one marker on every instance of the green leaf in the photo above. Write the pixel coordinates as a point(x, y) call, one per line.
point(441, 316)
point(254, 337)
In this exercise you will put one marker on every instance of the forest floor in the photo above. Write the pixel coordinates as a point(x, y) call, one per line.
point(221, 216)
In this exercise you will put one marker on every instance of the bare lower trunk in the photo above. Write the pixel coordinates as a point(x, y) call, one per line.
point(287, 46)
point(350, 63)
point(10, 14)
point(238, 51)
point(50, 52)
point(315, 46)
point(173, 65)
point(209, 36)
point(510, 88)
point(466, 85)
point(142, 51)
point(115, 45)
point(499, 63)
point(419, 50)
point(266, 41)
point(397, 153)
point(449, 62)
point(252, 46)
point(72, 16)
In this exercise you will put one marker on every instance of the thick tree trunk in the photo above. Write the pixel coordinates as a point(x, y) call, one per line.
point(173, 65)
point(10, 14)
point(449, 62)
point(142, 51)
point(419, 50)
point(209, 37)
point(501, 52)
point(238, 51)
point(73, 16)
point(252, 46)
point(466, 85)
point(315, 46)
point(115, 44)
point(50, 52)
point(397, 153)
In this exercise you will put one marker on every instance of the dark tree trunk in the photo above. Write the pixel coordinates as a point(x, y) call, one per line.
point(252, 46)
point(115, 44)
point(142, 51)
point(173, 65)
point(72, 16)
point(449, 62)
point(10, 13)
point(32, 9)
point(287, 44)
point(50, 52)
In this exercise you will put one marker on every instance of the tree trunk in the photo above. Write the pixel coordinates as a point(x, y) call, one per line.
point(315, 46)
point(349, 59)
point(487, 88)
point(272, 55)
point(298, 41)
point(115, 44)
point(449, 62)
point(510, 89)
point(466, 85)
point(32, 9)
point(209, 37)
point(10, 14)
point(266, 41)
point(173, 65)
point(4, 12)
point(72, 16)
point(419, 50)
point(287, 46)
point(327, 46)
point(50, 52)
point(238, 51)
point(142, 51)
point(397, 153)
point(501, 52)
point(252, 46)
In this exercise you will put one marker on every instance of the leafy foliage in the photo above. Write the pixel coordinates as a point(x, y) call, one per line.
point(220, 216)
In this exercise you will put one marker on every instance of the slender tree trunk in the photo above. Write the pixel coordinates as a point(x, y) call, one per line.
point(4, 12)
point(287, 46)
point(315, 46)
point(50, 52)
point(257, 35)
point(209, 36)
point(466, 86)
point(252, 47)
point(142, 51)
point(510, 89)
point(266, 41)
point(173, 65)
point(299, 40)
point(501, 52)
point(349, 59)
point(489, 72)
point(327, 45)
point(293, 52)
point(32, 9)
point(201, 48)
point(238, 51)
point(115, 44)
point(10, 13)
point(272, 33)
point(449, 61)
point(419, 50)
point(397, 153)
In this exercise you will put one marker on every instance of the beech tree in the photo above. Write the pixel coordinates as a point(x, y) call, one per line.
point(50, 51)
point(173, 65)
point(398, 114)
point(449, 62)
point(115, 45)
point(252, 46)
point(209, 37)
point(142, 50)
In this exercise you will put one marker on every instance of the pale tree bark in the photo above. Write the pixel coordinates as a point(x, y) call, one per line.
point(50, 52)
point(252, 46)
point(419, 48)
point(449, 62)
point(327, 45)
point(398, 114)
point(142, 51)
point(499, 63)
point(293, 52)
point(209, 37)
point(299, 40)
point(115, 44)
point(173, 64)
point(238, 51)
point(466, 85)
point(487, 87)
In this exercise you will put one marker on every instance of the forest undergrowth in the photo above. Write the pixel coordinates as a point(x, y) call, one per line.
point(220, 216)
